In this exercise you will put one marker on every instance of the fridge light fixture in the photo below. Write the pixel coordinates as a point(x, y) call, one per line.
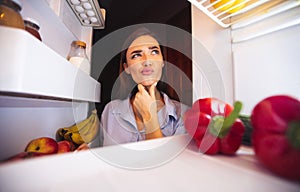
point(88, 13)
point(262, 8)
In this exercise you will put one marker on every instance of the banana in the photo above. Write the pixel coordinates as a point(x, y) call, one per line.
point(82, 132)
point(78, 126)
point(59, 136)
point(76, 138)
point(86, 129)
point(67, 136)
point(92, 131)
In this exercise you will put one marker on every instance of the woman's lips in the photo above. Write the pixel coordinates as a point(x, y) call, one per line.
point(147, 71)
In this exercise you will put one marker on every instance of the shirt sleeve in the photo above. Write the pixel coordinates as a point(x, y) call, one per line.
point(105, 124)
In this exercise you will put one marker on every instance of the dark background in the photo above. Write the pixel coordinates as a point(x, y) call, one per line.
point(121, 13)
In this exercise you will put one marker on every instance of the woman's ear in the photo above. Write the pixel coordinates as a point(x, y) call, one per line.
point(126, 68)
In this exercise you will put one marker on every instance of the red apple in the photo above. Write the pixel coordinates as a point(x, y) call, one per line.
point(65, 146)
point(24, 155)
point(42, 145)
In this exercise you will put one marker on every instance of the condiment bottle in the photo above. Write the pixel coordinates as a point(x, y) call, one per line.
point(10, 14)
point(77, 56)
point(32, 26)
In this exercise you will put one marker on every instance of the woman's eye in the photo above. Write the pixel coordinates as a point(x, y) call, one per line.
point(155, 52)
point(135, 56)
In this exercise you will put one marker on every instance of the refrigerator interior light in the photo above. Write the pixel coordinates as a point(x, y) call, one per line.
point(88, 13)
point(233, 12)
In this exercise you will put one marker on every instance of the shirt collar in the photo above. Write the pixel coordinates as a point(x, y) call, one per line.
point(169, 108)
point(125, 110)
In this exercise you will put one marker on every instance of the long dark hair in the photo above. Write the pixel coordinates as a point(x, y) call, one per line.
point(125, 84)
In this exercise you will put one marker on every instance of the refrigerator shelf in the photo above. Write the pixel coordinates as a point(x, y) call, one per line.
point(30, 68)
point(243, 13)
point(100, 168)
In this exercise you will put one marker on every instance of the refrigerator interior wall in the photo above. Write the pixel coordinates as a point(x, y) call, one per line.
point(269, 64)
point(212, 60)
point(26, 116)
point(25, 119)
point(252, 67)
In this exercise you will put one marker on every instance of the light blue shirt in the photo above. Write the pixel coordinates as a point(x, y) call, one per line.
point(118, 124)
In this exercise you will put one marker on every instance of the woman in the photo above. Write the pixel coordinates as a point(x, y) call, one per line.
point(147, 112)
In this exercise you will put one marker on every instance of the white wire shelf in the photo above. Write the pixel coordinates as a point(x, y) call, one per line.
point(241, 13)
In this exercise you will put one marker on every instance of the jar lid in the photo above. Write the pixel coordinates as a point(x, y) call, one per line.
point(18, 2)
point(32, 21)
point(79, 43)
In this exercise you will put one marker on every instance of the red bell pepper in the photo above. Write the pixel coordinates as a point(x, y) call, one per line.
point(214, 126)
point(276, 134)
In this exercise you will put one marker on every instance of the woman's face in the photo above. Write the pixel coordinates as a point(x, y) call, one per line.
point(144, 60)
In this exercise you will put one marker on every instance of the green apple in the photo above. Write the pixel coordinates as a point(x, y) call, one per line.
point(42, 145)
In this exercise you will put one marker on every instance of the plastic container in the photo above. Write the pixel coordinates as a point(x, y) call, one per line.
point(10, 14)
point(33, 27)
point(77, 56)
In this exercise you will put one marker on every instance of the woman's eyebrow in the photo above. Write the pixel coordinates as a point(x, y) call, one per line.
point(135, 51)
point(139, 50)
point(153, 47)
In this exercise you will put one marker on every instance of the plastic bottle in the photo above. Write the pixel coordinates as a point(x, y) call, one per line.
point(10, 14)
point(77, 56)
point(33, 27)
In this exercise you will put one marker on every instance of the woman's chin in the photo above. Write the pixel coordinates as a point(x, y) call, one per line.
point(148, 82)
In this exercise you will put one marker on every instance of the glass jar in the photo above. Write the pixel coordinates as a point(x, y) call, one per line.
point(77, 56)
point(32, 26)
point(10, 14)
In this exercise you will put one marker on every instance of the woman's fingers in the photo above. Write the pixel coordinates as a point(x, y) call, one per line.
point(82, 147)
point(152, 90)
point(145, 102)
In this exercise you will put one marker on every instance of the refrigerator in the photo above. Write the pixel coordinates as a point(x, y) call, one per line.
point(246, 55)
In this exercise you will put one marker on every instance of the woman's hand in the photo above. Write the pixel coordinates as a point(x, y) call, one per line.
point(146, 107)
point(82, 147)
point(145, 102)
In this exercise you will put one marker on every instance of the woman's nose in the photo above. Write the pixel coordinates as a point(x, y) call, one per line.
point(147, 61)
